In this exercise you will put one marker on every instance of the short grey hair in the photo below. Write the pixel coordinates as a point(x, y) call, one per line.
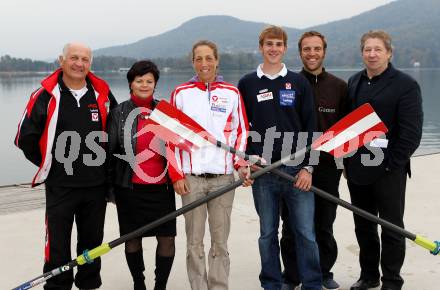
point(69, 44)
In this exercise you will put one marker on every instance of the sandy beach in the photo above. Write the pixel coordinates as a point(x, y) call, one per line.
point(22, 240)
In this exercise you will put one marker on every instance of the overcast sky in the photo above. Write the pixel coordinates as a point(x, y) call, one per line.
point(39, 28)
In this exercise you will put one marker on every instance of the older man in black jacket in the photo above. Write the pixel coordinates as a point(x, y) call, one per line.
point(61, 131)
point(377, 173)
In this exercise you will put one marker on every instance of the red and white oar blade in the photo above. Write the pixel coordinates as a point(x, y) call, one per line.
point(178, 128)
point(351, 132)
point(167, 135)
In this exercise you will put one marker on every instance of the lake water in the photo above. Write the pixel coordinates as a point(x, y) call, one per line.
point(15, 92)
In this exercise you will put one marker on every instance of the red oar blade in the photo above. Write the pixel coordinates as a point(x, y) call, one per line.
point(351, 132)
point(176, 127)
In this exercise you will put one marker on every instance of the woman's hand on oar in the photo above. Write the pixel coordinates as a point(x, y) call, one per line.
point(244, 172)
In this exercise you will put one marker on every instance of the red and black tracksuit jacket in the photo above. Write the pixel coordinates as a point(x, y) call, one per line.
point(37, 129)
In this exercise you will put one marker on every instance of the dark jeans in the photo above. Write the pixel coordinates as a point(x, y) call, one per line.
point(268, 191)
point(326, 178)
point(63, 205)
point(385, 198)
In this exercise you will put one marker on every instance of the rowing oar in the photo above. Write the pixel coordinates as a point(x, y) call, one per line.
point(433, 247)
point(172, 130)
point(362, 125)
point(333, 145)
point(89, 255)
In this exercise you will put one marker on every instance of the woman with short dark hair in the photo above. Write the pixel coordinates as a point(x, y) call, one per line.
point(140, 181)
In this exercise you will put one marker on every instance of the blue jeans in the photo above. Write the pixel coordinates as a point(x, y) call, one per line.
point(268, 191)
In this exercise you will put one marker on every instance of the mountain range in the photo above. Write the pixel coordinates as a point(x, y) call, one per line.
point(412, 24)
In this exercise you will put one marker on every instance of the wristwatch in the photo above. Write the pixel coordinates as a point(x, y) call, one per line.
point(309, 169)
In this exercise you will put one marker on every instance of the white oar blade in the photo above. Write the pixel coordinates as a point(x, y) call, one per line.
point(351, 132)
point(178, 128)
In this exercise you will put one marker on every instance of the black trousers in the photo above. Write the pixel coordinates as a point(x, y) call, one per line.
point(87, 207)
point(326, 178)
point(385, 198)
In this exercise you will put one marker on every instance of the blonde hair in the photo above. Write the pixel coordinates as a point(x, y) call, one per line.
point(273, 31)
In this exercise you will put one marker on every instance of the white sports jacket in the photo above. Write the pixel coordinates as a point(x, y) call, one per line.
point(217, 107)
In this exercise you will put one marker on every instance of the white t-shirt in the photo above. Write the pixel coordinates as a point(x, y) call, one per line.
point(78, 94)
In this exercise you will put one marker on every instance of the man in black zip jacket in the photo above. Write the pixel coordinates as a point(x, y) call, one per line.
point(62, 132)
point(331, 104)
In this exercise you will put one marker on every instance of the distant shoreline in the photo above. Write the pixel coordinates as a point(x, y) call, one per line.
point(23, 73)
point(171, 70)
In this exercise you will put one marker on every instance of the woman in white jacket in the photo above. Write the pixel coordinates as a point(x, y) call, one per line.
point(218, 107)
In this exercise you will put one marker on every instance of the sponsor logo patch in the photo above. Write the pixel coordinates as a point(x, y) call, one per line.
point(95, 117)
point(218, 109)
point(265, 97)
point(287, 98)
point(326, 110)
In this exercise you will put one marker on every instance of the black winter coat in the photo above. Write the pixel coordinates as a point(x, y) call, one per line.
point(397, 100)
point(119, 170)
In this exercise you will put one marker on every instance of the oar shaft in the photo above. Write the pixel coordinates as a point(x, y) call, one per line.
point(46, 276)
point(434, 247)
point(351, 207)
point(174, 214)
point(101, 250)
point(203, 200)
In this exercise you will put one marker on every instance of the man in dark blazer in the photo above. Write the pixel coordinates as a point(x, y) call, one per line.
point(377, 172)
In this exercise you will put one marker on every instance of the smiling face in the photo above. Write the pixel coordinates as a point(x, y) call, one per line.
point(312, 54)
point(273, 50)
point(375, 56)
point(75, 63)
point(143, 86)
point(205, 63)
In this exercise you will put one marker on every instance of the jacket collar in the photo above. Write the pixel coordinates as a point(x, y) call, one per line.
point(205, 86)
point(389, 73)
point(312, 78)
point(386, 73)
point(98, 84)
point(282, 72)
